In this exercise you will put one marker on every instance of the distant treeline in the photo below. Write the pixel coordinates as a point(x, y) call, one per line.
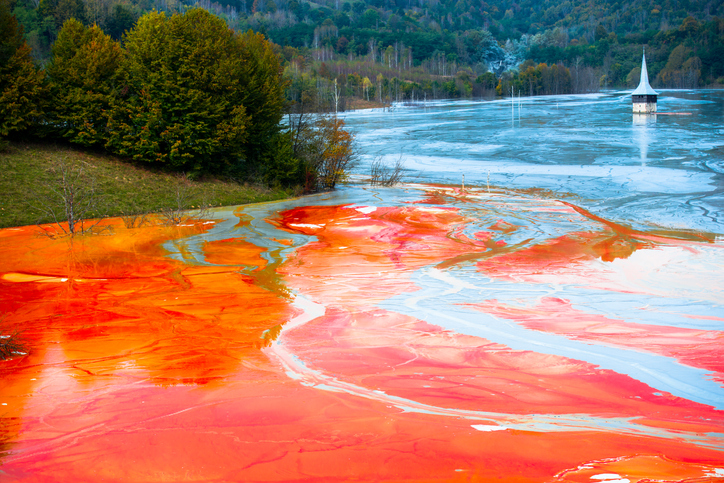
point(337, 54)
point(688, 56)
point(421, 49)
point(436, 41)
point(182, 92)
point(444, 48)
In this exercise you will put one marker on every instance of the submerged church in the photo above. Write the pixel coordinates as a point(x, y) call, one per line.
point(644, 97)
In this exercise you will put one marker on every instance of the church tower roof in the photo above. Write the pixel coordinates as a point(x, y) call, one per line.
point(644, 89)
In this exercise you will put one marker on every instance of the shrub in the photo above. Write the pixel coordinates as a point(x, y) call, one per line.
point(326, 150)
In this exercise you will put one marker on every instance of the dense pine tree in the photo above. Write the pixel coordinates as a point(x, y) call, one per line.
point(21, 84)
point(194, 95)
point(82, 77)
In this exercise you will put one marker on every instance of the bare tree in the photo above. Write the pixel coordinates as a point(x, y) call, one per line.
point(335, 97)
point(10, 343)
point(384, 175)
point(182, 211)
point(68, 201)
point(135, 218)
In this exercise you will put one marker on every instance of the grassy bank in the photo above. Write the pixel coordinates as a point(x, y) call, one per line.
point(31, 177)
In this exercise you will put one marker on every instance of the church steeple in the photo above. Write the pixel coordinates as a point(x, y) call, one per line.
point(644, 97)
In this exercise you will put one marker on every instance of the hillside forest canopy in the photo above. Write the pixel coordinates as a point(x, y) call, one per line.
point(204, 88)
point(181, 92)
point(392, 50)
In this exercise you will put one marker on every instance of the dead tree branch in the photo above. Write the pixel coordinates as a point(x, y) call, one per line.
point(68, 201)
point(383, 175)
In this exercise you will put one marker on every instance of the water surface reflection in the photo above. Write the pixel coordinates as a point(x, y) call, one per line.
point(666, 170)
point(422, 332)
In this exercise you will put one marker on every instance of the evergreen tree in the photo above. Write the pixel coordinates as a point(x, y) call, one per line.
point(82, 75)
point(262, 92)
point(121, 20)
point(194, 95)
point(54, 13)
point(21, 84)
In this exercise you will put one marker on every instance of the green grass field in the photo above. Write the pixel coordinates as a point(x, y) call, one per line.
point(30, 183)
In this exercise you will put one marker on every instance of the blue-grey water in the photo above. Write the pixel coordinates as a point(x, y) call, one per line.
point(665, 170)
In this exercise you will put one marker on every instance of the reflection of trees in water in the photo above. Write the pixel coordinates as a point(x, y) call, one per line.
point(11, 344)
point(117, 305)
point(9, 431)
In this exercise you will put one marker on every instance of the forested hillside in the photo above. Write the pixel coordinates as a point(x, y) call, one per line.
point(182, 93)
point(387, 50)
point(227, 90)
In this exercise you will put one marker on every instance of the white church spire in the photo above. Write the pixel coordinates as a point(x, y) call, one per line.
point(644, 89)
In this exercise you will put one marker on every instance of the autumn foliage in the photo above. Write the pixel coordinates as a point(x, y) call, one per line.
point(329, 151)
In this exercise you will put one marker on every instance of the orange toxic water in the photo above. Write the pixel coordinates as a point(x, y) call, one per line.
point(441, 336)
